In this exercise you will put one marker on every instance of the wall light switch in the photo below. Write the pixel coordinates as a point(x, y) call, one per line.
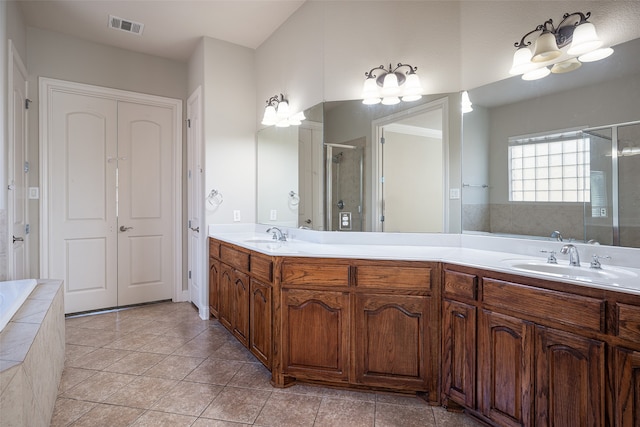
point(34, 193)
point(236, 216)
point(454, 193)
point(273, 215)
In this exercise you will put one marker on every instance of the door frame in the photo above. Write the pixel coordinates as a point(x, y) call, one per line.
point(195, 201)
point(377, 159)
point(47, 86)
point(15, 59)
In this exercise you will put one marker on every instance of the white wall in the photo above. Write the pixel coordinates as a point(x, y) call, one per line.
point(63, 57)
point(230, 147)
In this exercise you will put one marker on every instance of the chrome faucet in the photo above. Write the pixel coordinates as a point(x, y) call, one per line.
point(556, 235)
point(574, 257)
point(277, 234)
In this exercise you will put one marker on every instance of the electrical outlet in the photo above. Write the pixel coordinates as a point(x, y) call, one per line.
point(603, 212)
point(236, 215)
point(34, 193)
point(273, 215)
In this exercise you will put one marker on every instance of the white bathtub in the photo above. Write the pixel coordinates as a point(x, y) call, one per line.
point(12, 295)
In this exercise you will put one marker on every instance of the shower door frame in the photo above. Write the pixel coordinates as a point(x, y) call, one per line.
point(329, 183)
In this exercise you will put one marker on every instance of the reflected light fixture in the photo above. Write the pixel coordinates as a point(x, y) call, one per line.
point(466, 103)
point(392, 85)
point(277, 112)
point(574, 31)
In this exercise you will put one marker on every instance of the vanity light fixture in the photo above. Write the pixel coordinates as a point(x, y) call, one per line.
point(574, 31)
point(389, 86)
point(277, 112)
point(466, 104)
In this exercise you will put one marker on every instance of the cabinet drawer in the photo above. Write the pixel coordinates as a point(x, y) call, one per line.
point(392, 277)
point(628, 322)
point(315, 274)
point(569, 309)
point(460, 285)
point(214, 248)
point(261, 267)
point(234, 258)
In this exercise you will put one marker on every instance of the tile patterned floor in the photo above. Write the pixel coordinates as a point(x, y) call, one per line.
point(161, 365)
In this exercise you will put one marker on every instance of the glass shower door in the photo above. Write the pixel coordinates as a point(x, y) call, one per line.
point(344, 186)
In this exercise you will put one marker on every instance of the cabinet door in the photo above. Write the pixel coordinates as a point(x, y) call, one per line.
point(240, 307)
point(459, 352)
point(505, 362)
point(224, 292)
point(214, 287)
point(391, 341)
point(627, 387)
point(260, 322)
point(569, 379)
point(315, 334)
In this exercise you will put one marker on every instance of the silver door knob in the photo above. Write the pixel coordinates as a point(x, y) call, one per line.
point(123, 228)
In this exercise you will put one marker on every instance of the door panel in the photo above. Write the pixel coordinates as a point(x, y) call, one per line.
point(17, 176)
point(82, 203)
point(145, 214)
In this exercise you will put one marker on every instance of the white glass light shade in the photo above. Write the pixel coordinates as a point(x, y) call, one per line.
point(390, 86)
point(282, 123)
point(566, 66)
point(466, 103)
point(283, 109)
point(522, 61)
point(296, 119)
point(584, 40)
point(370, 92)
point(270, 117)
point(546, 48)
point(390, 100)
point(412, 89)
point(536, 74)
point(596, 55)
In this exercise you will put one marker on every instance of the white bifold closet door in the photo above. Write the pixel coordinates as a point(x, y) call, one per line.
point(111, 198)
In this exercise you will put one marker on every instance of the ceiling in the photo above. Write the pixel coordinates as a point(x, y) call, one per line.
point(172, 28)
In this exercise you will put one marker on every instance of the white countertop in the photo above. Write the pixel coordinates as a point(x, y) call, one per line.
point(508, 255)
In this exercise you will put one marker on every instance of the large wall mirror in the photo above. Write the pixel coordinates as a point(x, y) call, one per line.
point(355, 167)
point(561, 154)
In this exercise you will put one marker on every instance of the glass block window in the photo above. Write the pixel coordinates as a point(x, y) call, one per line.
point(549, 168)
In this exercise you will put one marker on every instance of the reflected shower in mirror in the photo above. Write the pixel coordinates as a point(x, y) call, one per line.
point(557, 154)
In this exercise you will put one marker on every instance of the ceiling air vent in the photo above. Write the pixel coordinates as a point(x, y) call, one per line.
point(125, 25)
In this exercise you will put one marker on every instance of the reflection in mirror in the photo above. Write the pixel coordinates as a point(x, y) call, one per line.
point(557, 154)
point(338, 175)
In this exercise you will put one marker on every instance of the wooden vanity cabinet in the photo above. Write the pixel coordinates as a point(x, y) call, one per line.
point(626, 362)
point(240, 296)
point(539, 359)
point(362, 323)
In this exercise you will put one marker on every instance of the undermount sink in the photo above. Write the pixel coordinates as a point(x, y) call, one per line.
point(584, 273)
point(258, 241)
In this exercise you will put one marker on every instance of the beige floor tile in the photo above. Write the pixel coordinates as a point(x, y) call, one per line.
point(237, 404)
point(109, 416)
point(388, 415)
point(252, 375)
point(349, 394)
point(73, 351)
point(163, 419)
point(289, 410)
point(143, 392)
point(188, 398)
point(194, 348)
point(99, 386)
point(206, 422)
point(233, 351)
point(345, 413)
point(71, 377)
point(445, 418)
point(132, 341)
point(90, 337)
point(400, 399)
point(163, 344)
point(215, 371)
point(67, 411)
point(98, 359)
point(174, 367)
point(135, 363)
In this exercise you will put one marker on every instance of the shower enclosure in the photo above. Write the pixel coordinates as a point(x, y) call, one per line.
point(615, 167)
point(344, 186)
